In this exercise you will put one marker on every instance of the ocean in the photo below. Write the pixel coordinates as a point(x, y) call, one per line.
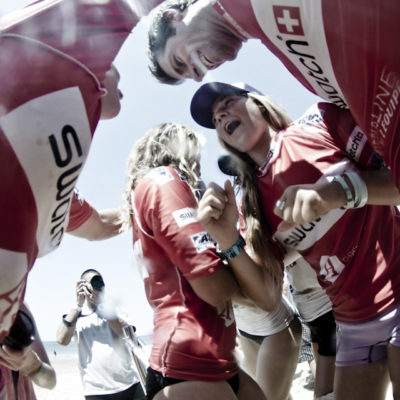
point(54, 349)
point(70, 351)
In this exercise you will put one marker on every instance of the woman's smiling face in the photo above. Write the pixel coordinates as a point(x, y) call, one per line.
point(239, 122)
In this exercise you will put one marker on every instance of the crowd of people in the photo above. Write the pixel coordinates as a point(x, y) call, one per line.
point(312, 206)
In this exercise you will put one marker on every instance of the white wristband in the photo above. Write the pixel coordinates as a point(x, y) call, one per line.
point(347, 191)
point(360, 188)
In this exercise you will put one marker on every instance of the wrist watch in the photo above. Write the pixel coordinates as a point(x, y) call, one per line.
point(233, 251)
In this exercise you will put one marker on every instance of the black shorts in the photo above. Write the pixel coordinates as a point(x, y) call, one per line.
point(255, 338)
point(156, 382)
point(323, 332)
point(134, 392)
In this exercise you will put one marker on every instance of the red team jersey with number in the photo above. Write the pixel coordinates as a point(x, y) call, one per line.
point(344, 51)
point(353, 251)
point(54, 56)
point(192, 340)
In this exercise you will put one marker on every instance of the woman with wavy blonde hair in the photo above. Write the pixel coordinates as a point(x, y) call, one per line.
point(187, 284)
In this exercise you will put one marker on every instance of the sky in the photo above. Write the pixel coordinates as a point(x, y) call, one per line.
point(146, 103)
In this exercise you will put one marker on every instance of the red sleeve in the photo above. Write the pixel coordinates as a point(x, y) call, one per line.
point(79, 212)
point(348, 136)
point(91, 32)
point(166, 208)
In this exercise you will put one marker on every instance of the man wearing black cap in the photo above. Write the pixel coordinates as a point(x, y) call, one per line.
point(105, 362)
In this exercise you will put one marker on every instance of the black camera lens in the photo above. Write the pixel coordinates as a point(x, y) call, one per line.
point(21, 333)
point(97, 282)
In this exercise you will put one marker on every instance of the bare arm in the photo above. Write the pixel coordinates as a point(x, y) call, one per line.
point(381, 187)
point(100, 225)
point(31, 361)
point(66, 329)
point(301, 204)
point(117, 324)
point(217, 212)
point(216, 288)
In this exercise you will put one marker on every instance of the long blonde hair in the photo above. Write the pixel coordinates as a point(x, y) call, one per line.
point(167, 144)
point(258, 232)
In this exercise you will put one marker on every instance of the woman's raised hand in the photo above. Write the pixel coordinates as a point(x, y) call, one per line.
point(301, 204)
point(217, 212)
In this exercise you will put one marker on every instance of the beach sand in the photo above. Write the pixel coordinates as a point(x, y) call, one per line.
point(69, 385)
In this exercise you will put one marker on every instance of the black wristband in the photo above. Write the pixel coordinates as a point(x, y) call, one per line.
point(67, 323)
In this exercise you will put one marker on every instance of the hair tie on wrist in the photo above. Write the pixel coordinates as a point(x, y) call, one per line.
point(347, 191)
point(359, 187)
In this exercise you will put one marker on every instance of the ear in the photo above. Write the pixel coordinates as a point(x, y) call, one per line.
point(173, 15)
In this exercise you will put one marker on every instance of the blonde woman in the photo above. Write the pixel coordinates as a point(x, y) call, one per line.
point(187, 284)
point(333, 221)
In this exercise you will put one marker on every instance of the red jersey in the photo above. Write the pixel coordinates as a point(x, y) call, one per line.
point(54, 56)
point(192, 340)
point(353, 251)
point(343, 51)
point(24, 386)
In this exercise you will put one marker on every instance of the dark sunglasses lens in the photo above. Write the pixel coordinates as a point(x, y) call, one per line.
point(97, 283)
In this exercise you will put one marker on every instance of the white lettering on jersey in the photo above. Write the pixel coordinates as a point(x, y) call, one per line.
point(51, 137)
point(202, 241)
point(296, 28)
point(385, 106)
point(331, 267)
point(161, 175)
point(356, 143)
point(302, 237)
point(185, 216)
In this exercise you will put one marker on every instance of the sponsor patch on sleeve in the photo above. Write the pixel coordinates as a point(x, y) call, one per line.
point(356, 143)
point(202, 241)
point(185, 216)
point(161, 175)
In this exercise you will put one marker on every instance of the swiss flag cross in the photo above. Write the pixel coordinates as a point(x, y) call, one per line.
point(288, 20)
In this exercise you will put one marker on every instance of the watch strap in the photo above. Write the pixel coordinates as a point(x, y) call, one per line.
point(232, 252)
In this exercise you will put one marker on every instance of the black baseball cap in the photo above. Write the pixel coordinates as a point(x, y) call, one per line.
point(205, 96)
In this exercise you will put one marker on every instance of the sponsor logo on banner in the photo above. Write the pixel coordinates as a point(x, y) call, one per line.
point(185, 216)
point(50, 136)
point(202, 241)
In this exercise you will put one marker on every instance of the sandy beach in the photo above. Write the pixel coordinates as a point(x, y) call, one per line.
point(69, 384)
